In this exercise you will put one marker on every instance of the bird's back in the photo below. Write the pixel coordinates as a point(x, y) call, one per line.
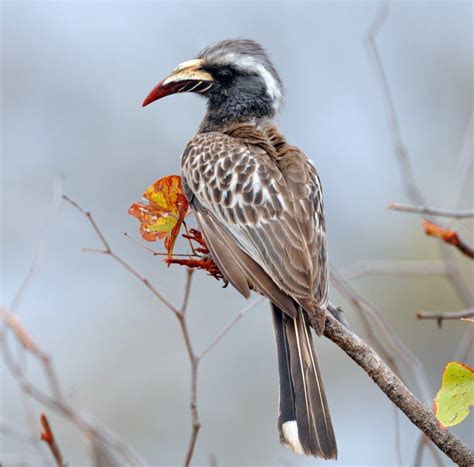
point(266, 195)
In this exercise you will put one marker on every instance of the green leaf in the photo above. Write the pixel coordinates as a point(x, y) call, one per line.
point(456, 394)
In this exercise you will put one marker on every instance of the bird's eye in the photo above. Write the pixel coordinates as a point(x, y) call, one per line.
point(224, 75)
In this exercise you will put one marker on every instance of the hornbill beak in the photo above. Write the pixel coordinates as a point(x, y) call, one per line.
point(189, 76)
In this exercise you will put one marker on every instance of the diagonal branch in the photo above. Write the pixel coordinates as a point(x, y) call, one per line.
point(397, 392)
point(107, 250)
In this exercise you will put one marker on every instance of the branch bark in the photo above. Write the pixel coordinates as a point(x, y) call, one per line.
point(397, 392)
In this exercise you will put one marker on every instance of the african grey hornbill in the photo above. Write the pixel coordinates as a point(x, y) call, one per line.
point(258, 202)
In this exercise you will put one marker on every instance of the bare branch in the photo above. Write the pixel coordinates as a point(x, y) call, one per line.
point(48, 437)
point(465, 163)
point(41, 245)
point(394, 268)
point(406, 169)
point(229, 326)
point(455, 214)
point(56, 401)
point(467, 341)
point(364, 308)
point(397, 392)
point(441, 316)
point(108, 251)
point(157, 253)
point(9, 429)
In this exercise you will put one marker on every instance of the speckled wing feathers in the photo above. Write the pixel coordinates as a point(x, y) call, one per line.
point(254, 190)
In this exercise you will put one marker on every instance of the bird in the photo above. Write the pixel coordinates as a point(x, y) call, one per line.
point(258, 202)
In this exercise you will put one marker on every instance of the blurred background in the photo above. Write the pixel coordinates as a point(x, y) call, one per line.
point(74, 75)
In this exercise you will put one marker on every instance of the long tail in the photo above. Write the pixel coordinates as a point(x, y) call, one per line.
point(304, 422)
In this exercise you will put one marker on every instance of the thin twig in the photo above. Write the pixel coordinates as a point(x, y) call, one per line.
point(464, 347)
point(406, 169)
point(441, 316)
point(48, 437)
point(157, 253)
point(229, 326)
point(403, 268)
point(189, 240)
point(91, 220)
point(194, 362)
point(455, 214)
point(9, 429)
point(41, 245)
point(420, 448)
point(465, 163)
point(107, 250)
point(398, 444)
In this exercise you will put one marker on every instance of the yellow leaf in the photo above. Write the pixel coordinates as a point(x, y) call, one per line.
point(455, 395)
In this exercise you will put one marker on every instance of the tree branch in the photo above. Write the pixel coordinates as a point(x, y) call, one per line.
point(453, 213)
point(397, 392)
point(441, 316)
point(399, 268)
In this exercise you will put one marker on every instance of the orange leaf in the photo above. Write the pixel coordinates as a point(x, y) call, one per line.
point(163, 216)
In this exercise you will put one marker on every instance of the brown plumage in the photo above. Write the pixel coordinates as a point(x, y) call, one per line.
point(252, 189)
point(258, 202)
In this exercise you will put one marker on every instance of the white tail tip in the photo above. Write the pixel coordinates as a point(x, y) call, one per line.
point(290, 436)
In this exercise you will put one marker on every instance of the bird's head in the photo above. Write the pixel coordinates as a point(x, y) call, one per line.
point(237, 77)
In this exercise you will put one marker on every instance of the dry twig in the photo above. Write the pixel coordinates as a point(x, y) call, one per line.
point(453, 213)
point(48, 437)
point(441, 316)
point(448, 236)
point(399, 268)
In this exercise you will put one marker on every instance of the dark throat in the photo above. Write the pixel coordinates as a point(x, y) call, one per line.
point(237, 107)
